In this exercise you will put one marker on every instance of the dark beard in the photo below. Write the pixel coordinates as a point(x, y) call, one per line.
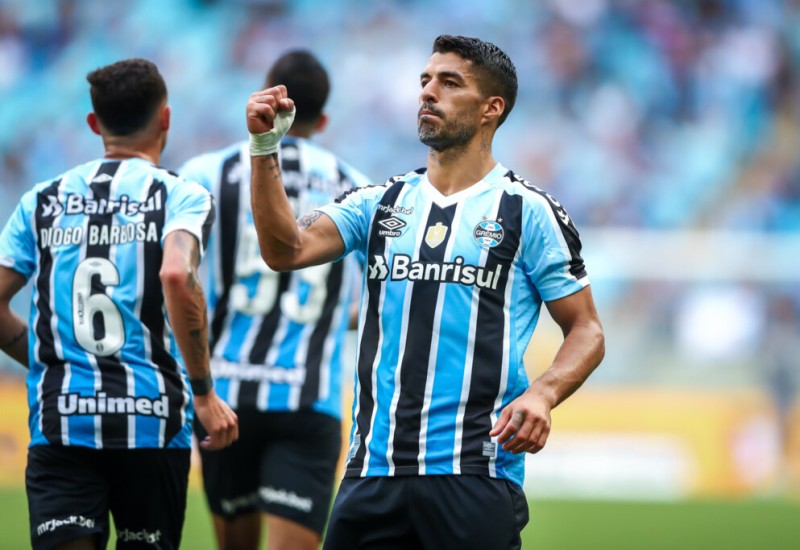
point(450, 136)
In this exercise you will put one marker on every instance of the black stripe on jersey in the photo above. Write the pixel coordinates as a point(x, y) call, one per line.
point(576, 266)
point(489, 338)
point(368, 346)
point(269, 324)
point(248, 394)
point(228, 237)
point(208, 223)
point(152, 315)
point(417, 349)
point(46, 354)
point(114, 381)
point(290, 164)
point(248, 389)
point(316, 344)
point(290, 157)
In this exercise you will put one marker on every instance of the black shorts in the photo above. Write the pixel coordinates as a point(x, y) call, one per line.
point(71, 490)
point(427, 512)
point(283, 463)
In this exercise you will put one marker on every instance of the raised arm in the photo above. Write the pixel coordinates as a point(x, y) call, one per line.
point(13, 330)
point(527, 418)
point(286, 243)
point(186, 306)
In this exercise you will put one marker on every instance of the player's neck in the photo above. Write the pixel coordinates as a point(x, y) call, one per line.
point(456, 169)
point(120, 150)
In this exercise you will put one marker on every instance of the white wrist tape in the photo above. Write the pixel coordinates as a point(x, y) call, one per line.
point(267, 143)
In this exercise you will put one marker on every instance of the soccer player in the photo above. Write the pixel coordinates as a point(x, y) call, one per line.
point(110, 244)
point(276, 338)
point(460, 256)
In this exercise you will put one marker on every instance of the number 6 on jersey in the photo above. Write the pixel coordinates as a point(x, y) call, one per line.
point(86, 305)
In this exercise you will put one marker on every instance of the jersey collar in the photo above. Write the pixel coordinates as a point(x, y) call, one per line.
point(478, 187)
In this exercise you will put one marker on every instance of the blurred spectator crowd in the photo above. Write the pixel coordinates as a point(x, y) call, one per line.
point(641, 114)
point(645, 113)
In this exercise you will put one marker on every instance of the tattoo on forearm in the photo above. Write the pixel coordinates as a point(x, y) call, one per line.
point(200, 316)
point(199, 338)
point(197, 316)
point(274, 167)
point(15, 339)
point(308, 218)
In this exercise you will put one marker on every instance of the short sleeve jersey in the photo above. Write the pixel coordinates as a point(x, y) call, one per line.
point(276, 338)
point(105, 371)
point(452, 292)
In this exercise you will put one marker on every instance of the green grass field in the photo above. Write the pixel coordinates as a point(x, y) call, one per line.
point(559, 525)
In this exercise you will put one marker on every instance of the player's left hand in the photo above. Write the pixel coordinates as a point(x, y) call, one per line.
point(524, 424)
point(218, 419)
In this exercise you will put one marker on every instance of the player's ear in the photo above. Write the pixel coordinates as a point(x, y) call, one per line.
point(164, 118)
point(321, 124)
point(493, 108)
point(94, 124)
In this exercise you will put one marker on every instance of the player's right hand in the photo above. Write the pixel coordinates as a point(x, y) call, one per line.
point(263, 107)
point(218, 419)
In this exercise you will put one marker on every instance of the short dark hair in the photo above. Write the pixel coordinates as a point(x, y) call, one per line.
point(126, 94)
point(499, 77)
point(306, 82)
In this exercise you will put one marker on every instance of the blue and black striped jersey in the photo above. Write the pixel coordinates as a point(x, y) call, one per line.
point(105, 371)
point(452, 292)
point(276, 338)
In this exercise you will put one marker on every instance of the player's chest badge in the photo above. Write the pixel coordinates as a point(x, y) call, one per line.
point(435, 235)
point(488, 233)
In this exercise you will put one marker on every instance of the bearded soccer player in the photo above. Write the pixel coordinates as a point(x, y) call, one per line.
point(460, 257)
point(110, 245)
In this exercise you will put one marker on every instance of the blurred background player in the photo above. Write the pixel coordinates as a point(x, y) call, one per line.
point(276, 338)
point(460, 257)
point(109, 244)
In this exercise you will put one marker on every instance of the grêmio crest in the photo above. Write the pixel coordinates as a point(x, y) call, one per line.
point(488, 233)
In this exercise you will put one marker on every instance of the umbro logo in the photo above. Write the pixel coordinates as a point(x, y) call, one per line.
point(391, 227)
point(102, 178)
point(392, 223)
